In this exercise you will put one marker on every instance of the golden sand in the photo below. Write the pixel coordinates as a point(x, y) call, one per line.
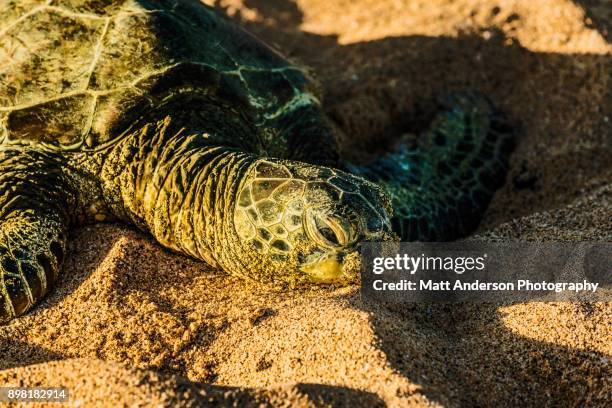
point(130, 324)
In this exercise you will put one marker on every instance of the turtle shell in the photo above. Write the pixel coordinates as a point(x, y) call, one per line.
point(76, 74)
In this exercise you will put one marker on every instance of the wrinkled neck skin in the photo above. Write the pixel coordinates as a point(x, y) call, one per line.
point(180, 185)
point(205, 191)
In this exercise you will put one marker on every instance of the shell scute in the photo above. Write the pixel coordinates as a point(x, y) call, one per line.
point(42, 59)
point(80, 73)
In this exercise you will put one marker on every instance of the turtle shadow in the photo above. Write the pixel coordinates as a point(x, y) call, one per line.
point(465, 355)
point(324, 395)
point(16, 353)
point(379, 89)
point(317, 395)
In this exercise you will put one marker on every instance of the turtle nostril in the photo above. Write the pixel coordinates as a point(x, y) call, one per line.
point(376, 224)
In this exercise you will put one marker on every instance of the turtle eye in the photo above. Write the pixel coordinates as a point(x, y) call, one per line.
point(327, 231)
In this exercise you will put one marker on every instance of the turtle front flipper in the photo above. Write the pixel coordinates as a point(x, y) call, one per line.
point(33, 228)
point(441, 189)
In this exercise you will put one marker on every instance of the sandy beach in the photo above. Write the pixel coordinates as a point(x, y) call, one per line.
point(131, 324)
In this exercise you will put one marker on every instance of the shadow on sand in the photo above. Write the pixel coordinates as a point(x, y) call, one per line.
point(27, 354)
point(376, 90)
point(380, 88)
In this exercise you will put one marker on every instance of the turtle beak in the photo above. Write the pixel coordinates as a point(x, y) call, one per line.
point(333, 268)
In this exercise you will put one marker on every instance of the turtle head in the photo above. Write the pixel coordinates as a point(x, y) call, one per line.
point(305, 222)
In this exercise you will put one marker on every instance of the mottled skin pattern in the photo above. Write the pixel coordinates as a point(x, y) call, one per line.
point(165, 115)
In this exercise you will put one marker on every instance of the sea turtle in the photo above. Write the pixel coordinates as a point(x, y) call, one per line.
point(165, 115)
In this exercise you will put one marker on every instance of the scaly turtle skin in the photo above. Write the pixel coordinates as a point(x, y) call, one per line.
point(165, 115)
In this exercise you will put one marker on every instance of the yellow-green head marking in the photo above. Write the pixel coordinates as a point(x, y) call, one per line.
point(305, 219)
